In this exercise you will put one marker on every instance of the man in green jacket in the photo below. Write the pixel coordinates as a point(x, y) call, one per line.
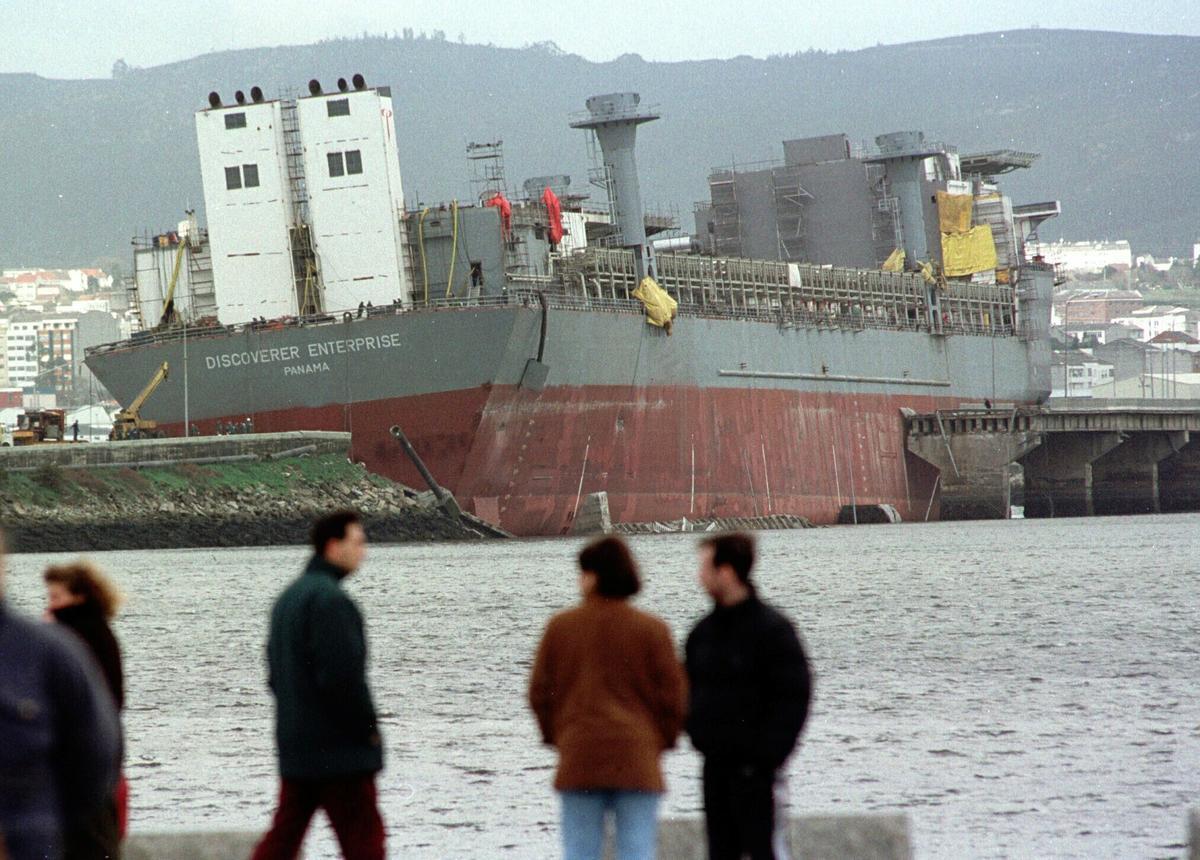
point(329, 745)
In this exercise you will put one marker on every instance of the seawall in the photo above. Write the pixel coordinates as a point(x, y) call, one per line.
point(252, 490)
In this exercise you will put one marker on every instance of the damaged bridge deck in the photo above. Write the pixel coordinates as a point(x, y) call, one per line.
point(1114, 457)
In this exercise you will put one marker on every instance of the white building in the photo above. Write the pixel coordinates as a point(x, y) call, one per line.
point(1083, 258)
point(304, 203)
point(1153, 320)
point(4, 352)
point(46, 351)
point(82, 306)
point(1156, 386)
point(21, 348)
point(1082, 373)
point(1158, 265)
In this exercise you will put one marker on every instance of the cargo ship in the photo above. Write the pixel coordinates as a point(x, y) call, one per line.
point(536, 349)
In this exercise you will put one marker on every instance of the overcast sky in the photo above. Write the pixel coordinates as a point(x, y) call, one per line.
point(78, 38)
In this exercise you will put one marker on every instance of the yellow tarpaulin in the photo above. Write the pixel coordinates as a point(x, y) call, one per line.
point(926, 270)
point(954, 212)
point(968, 253)
point(895, 261)
point(660, 307)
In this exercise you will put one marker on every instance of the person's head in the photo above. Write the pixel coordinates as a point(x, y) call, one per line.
point(339, 538)
point(725, 564)
point(78, 583)
point(607, 568)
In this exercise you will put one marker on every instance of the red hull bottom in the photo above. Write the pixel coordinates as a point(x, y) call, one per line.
point(526, 460)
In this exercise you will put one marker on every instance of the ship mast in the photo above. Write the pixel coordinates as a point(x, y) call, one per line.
point(614, 119)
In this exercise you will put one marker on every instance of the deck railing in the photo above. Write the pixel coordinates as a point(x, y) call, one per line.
point(789, 295)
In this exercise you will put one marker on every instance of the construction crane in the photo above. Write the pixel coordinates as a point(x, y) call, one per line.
point(170, 316)
point(129, 424)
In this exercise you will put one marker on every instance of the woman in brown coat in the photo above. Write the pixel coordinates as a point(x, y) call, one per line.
point(609, 692)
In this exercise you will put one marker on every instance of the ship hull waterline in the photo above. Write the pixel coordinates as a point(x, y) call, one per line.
point(637, 420)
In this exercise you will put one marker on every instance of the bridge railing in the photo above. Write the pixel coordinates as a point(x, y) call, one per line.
point(1040, 419)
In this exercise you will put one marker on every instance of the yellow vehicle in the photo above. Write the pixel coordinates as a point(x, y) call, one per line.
point(36, 426)
point(128, 423)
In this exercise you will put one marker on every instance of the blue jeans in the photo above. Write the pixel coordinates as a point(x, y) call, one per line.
point(583, 814)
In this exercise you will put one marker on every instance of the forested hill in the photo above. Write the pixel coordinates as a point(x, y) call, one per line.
point(1115, 116)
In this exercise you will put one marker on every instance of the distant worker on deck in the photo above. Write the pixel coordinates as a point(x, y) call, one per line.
point(75, 430)
point(61, 738)
point(609, 693)
point(325, 722)
point(750, 690)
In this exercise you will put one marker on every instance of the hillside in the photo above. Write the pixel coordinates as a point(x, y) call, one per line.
point(1116, 117)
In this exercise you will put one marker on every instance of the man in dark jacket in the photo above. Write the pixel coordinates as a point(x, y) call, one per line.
point(329, 744)
point(59, 736)
point(750, 688)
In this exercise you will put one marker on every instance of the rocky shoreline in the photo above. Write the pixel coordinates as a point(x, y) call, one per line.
point(56, 509)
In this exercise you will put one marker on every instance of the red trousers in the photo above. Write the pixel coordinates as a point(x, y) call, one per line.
point(349, 801)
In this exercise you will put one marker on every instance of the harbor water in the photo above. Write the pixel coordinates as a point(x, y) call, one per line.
point(1017, 688)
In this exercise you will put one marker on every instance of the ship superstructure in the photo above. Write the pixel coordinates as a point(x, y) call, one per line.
point(304, 201)
point(507, 335)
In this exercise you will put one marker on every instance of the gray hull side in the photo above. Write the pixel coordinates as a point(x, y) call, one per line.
point(423, 352)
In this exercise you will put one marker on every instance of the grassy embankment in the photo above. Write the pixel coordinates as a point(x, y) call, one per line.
point(50, 487)
point(228, 504)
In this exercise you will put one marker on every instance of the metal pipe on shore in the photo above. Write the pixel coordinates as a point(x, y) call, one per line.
point(447, 501)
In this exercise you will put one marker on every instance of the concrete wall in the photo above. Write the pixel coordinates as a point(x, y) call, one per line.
point(189, 846)
point(818, 837)
point(873, 837)
point(132, 454)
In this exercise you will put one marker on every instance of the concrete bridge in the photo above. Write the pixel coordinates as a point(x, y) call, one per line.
point(1080, 458)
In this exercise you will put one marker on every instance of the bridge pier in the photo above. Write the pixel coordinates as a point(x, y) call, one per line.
point(1179, 479)
point(1058, 474)
point(974, 467)
point(1126, 480)
point(1095, 458)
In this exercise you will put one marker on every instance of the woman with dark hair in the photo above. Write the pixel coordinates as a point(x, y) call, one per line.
point(82, 598)
point(609, 692)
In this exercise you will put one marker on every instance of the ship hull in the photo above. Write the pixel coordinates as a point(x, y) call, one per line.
point(724, 417)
